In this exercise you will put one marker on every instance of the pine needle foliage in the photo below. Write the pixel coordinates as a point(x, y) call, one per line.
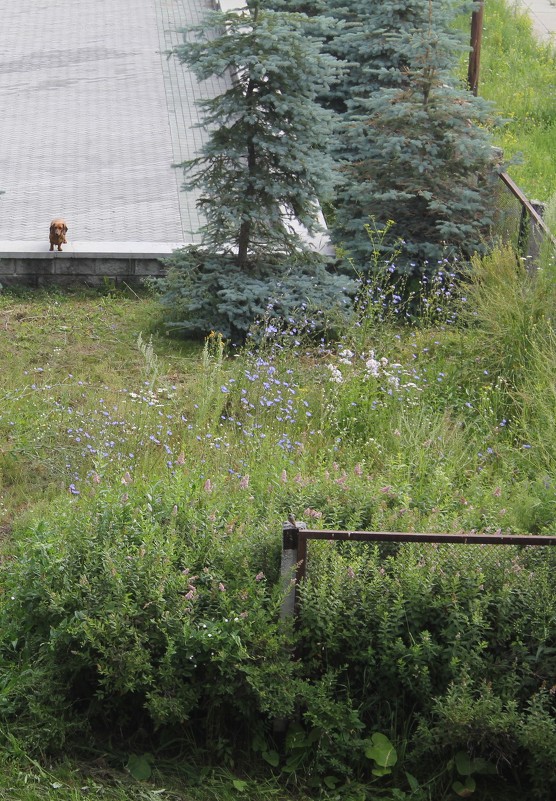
point(260, 176)
point(205, 292)
point(362, 42)
point(416, 151)
point(266, 161)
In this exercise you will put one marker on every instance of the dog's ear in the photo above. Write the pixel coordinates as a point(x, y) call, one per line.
point(51, 227)
point(65, 228)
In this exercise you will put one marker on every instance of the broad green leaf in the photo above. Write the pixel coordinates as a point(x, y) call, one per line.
point(463, 763)
point(412, 781)
point(480, 765)
point(239, 785)
point(271, 757)
point(466, 789)
point(139, 765)
point(381, 771)
point(381, 751)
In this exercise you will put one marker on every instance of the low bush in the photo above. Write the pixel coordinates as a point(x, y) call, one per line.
point(443, 648)
point(126, 614)
point(142, 615)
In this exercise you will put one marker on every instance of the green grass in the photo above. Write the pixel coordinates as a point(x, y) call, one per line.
point(72, 357)
point(24, 779)
point(519, 75)
point(443, 425)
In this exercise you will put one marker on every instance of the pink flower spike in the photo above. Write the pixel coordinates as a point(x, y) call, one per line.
point(208, 485)
point(284, 477)
point(244, 483)
point(312, 513)
point(260, 576)
point(222, 587)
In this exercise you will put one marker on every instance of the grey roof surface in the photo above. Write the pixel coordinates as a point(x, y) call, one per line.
point(93, 115)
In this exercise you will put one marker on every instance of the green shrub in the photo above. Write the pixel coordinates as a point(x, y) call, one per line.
point(124, 614)
point(444, 648)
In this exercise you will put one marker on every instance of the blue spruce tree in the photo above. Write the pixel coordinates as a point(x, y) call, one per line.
point(360, 41)
point(415, 151)
point(259, 175)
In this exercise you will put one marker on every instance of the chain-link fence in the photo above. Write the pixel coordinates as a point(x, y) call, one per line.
point(295, 537)
point(518, 221)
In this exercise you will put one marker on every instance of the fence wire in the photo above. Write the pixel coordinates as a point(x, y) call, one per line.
point(518, 221)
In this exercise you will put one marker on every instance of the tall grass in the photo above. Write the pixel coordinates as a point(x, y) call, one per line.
point(432, 408)
point(517, 74)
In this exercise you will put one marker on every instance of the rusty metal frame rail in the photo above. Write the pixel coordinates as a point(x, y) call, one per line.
point(296, 537)
point(526, 206)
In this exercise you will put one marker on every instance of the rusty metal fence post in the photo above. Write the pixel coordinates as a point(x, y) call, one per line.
point(293, 563)
point(294, 548)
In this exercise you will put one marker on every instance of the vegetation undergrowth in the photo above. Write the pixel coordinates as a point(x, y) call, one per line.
point(146, 490)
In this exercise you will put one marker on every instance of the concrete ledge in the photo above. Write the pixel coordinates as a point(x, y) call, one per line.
point(87, 250)
point(82, 263)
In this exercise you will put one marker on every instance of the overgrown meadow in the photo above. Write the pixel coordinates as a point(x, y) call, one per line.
point(144, 485)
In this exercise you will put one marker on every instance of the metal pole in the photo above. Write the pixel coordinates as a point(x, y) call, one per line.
point(294, 562)
point(288, 565)
point(475, 55)
point(289, 572)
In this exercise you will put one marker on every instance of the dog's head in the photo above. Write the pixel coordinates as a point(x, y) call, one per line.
point(58, 228)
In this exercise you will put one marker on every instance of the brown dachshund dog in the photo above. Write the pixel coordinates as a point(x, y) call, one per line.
point(58, 231)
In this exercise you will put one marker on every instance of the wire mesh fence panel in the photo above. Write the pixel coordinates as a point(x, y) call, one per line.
point(519, 222)
point(508, 218)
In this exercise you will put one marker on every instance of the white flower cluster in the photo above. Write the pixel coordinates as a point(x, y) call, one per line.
point(374, 367)
point(335, 374)
point(393, 373)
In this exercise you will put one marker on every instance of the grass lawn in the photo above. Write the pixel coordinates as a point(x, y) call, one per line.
point(517, 74)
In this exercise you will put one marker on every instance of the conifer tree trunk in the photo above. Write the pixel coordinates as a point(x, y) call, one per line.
point(244, 236)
